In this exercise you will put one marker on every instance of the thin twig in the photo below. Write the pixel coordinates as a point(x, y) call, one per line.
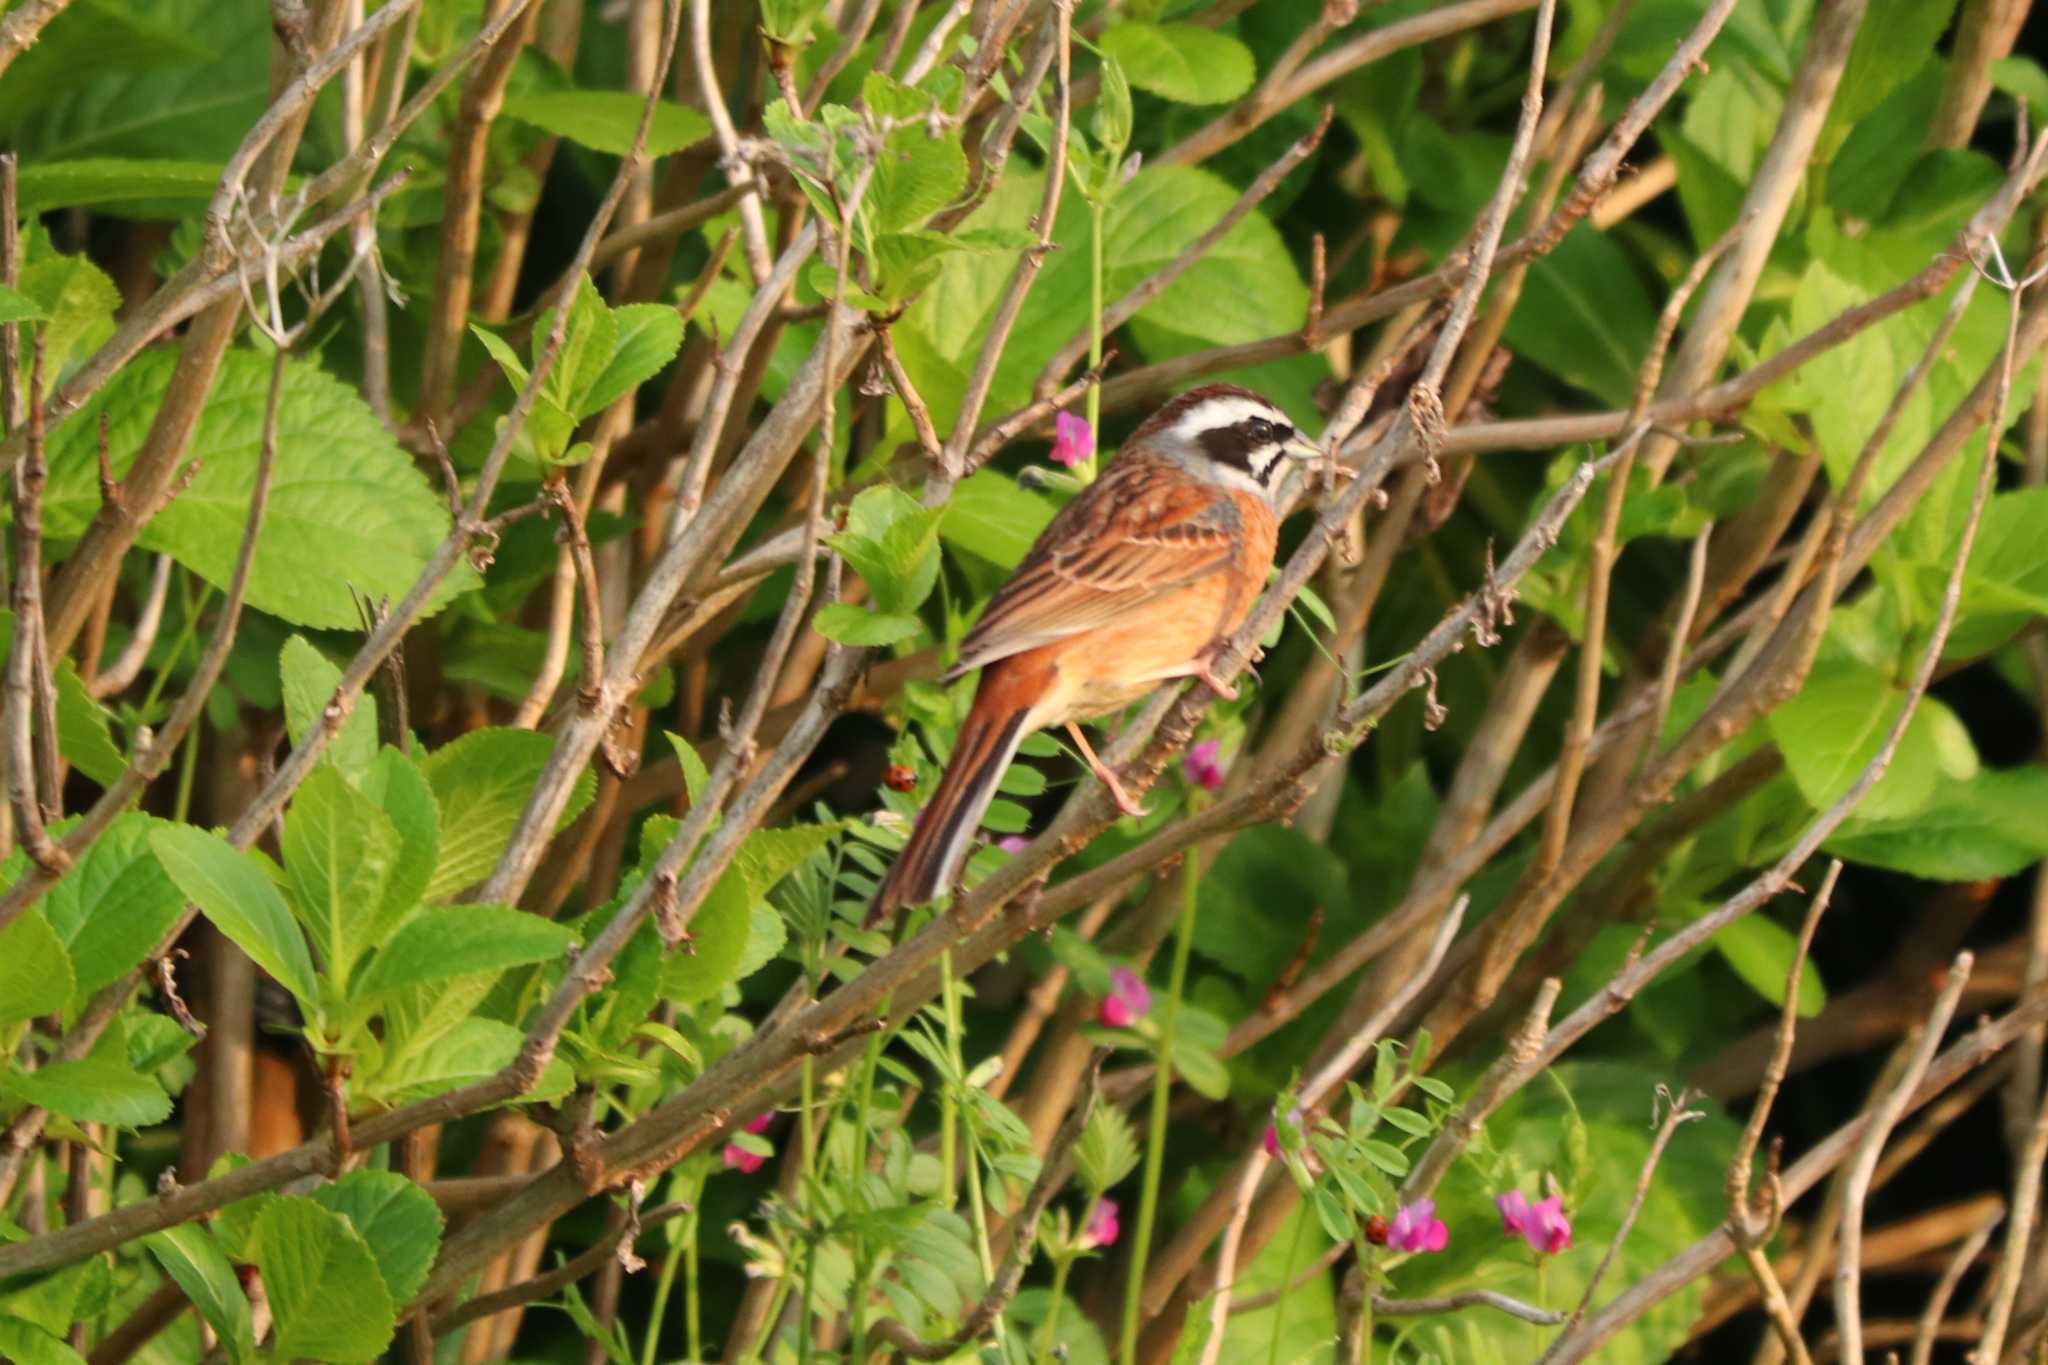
point(1676, 1114)
point(1952, 1274)
point(738, 170)
point(1155, 284)
point(116, 677)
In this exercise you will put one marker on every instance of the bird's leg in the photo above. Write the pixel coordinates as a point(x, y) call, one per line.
point(1204, 671)
point(1124, 800)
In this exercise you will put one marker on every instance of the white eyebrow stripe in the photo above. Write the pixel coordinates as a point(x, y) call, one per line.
point(1224, 411)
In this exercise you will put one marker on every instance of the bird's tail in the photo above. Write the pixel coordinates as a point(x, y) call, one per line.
point(930, 863)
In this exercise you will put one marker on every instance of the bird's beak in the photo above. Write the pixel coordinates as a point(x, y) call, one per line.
point(1300, 447)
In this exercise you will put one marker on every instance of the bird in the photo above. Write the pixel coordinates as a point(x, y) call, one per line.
point(1136, 582)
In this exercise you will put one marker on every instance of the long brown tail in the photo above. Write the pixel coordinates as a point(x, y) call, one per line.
point(930, 863)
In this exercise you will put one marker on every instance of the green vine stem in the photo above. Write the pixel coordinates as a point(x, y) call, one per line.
point(1162, 1085)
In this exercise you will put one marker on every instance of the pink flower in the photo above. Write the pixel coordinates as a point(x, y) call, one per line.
point(1417, 1228)
point(1204, 765)
point(1073, 440)
point(1013, 844)
point(1542, 1225)
point(1102, 1227)
point(738, 1157)
point(1127, 1001)
point(1272, 1137)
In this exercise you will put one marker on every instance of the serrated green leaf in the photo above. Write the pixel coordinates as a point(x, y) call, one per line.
point(480, 782)
point(35, 969)
point(396, 1219)
point(605, 120)
point(113, 908)
point(695, 774)
point(16, 306)
point(232, 889)
point(191, 1257)
point(102, 182)
point(92, 1091)
point(915, 176)
point(1988, 826)
point(338, 851)
point(349, 513)
point(27, 1344)
point(1760, 950)
point(326, 1292)
point(645, 337)
point(1184, 63)
point(398, 787)
point(308, 683)
point(85, 729)
point(461, 940)
point(855, 625)
point(74, 295)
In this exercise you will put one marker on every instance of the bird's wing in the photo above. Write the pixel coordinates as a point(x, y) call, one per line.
point(1140, 531)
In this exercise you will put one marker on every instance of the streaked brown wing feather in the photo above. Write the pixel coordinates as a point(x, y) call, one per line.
point(1140, 531)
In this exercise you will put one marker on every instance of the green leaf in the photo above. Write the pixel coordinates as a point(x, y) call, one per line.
point(481, 783)
point(1184, 63)
point(170, 78)
point(1145, 227)
point(1111, 123)
point(1988, 826)
point(647, 337)
point(16, 306)
point(233, 890)
point(85, 733)
point(474, 1049)
point(1760, 950)
point(338, 850)
point(114, 907)
point(326, 1292)
point(500, 350)
point(27, 1344)
point(99, 182)
point(190, 1256)
point(1833, 726)
point(1584, 316)
point(1886, 53)
point(766, 856)
point(2006, 585)
point(349, 513)
point(695, 775)
point(461, 940)
point(89, 39)
point(1202, 1069)
point(93, 1091)
point(767, 933)
point(396, 1218)
point(2023, 79)
point(915, 177)
point(35, 970)
point(1528, 1138)
point(73, 293)
point(989, 515)
point(398, 787)
point(855, 625)
point(605, 120)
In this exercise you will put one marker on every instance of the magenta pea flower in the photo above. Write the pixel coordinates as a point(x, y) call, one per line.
point(738, 1157)
point(1013, 844)
point(1102, 1227)
point(1542, 1225)
point(1204, 765)
point(1271, 1140)
point(1128, 1000)
point(1417, 1228)
point(1073, 440)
